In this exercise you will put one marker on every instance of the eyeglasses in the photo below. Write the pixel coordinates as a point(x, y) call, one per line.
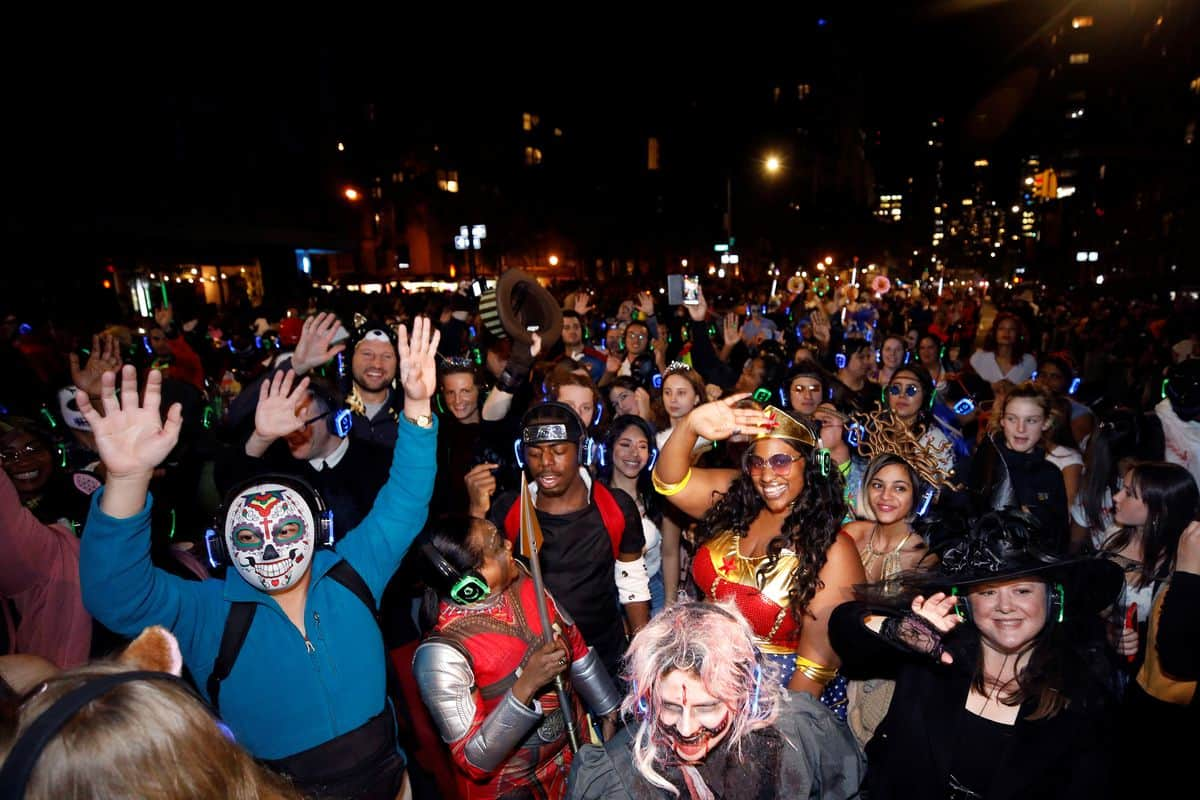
point(812, 388)
point(909, 389)
point(781, 463)
point(14, 454)
point(640, 337)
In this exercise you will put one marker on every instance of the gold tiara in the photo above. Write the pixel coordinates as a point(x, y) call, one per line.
point(788, 428)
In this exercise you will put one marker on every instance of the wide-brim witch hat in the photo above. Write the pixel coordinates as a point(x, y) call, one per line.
point(1002, 545)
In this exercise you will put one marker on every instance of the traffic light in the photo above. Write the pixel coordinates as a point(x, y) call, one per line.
point(1045, 185)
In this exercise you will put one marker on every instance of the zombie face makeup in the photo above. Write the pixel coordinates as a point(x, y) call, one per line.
point(271, 533)
point(691, 720)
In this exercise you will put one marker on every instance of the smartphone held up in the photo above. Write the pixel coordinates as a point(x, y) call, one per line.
point(683, 290)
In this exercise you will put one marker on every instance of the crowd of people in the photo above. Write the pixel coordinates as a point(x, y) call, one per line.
point(837, 544)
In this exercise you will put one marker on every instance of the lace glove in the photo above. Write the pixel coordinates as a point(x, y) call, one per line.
point(912, 633)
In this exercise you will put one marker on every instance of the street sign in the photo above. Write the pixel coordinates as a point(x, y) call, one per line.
point(470, 238)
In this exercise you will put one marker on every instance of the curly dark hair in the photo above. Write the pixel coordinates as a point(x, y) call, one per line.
point(809, 530)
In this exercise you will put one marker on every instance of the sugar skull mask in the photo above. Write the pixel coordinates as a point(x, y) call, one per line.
point(270, 533)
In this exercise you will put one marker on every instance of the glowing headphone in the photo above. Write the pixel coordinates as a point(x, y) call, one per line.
point(1056, 602)
point(338, 419)
point(23, 757)
point(214, 537)
point(465, 588)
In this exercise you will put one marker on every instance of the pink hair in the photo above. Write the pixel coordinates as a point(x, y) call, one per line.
point(714, 643)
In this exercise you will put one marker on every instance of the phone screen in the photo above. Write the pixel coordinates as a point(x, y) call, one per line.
point(691, 290)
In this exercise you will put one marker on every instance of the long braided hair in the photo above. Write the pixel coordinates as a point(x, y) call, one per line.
point(809, 529)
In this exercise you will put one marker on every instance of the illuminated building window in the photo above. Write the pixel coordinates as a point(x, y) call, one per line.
point(397, 177)
point(448, 180)
point(1080, 58)
point(1082, 22)
point(1195, 85)
point(803, 90)
point(981, 162)
point(652, 153)
point(529, 121)
point(533, 156)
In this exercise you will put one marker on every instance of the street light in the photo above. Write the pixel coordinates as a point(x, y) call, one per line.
point(772, 164)
point(554, 261)
point(351, 194)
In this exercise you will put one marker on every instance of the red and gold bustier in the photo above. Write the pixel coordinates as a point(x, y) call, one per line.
point(723, 573)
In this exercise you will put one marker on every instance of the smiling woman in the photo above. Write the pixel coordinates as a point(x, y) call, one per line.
point(1001, 685)
point(768, 534)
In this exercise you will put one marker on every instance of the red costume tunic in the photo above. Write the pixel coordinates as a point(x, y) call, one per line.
point(496, 637)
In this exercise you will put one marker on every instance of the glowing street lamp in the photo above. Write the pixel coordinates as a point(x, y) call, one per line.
point(554, 261)
point(773, 164)
point(351, 194)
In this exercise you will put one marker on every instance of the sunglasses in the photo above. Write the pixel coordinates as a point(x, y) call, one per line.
point(910, 390)
point(14, 454)
point(781, 463)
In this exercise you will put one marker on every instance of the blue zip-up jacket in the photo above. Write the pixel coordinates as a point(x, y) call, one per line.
point(288, 691)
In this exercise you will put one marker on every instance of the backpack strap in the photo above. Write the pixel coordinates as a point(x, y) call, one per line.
point(348, 576)
point(237, 625)
point(241, 615)
point(610, 512)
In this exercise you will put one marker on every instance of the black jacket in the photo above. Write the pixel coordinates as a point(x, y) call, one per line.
point(1065, 756)
point(1001, 478)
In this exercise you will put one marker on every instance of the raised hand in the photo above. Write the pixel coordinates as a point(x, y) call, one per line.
point(418, 370)
point(938, 610)
point(314, 347)
point(645, 303)
point(820, 326)
point(730, 330)
point(131, 436)
point(643, 402)
point(700, 310)
point(583, 303)
point(481, 485)
point(277, 413)
point(719, 420)
point(105, 357)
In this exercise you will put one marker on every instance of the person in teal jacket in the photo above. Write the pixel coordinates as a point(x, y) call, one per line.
point(307, 692)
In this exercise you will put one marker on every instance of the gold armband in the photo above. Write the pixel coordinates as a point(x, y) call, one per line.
point(668, 489)
point(817, 673)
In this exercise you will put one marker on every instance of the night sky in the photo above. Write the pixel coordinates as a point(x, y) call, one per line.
point(108, 131)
